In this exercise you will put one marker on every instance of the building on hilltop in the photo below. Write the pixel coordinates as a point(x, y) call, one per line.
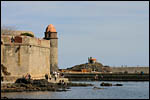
point(22, 54)
point(91, 60)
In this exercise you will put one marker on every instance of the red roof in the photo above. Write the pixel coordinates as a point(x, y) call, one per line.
point(94, 59)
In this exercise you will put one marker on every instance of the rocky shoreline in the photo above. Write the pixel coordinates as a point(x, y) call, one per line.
point(39, 85)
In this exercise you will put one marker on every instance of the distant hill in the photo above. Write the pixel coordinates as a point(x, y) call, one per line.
point(94, 67)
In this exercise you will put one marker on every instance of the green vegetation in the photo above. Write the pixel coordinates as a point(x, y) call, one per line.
point(27, 34)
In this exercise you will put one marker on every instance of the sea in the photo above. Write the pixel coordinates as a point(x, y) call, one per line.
point(129, 90)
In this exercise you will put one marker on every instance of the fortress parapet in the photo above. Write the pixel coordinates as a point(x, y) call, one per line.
point(24, 40)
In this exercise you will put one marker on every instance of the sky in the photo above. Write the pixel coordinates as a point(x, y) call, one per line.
point(116, 33)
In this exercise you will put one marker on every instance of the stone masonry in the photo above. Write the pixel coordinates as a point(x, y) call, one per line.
point(30, 54)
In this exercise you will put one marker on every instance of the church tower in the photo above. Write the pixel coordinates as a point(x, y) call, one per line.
point(51, 35)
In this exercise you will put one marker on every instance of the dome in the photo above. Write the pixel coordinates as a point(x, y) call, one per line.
point(50, 28)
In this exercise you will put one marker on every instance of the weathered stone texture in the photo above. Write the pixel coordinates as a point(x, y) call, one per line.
point(39, 42)
point(54, 54)
point(17, 64)
point(39, 62)
point(31, 56)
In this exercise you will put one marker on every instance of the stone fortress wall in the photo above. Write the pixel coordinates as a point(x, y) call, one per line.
point(32, 56)
point(39, 57)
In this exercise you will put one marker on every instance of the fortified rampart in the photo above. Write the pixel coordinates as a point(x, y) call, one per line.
point(24, 54)
point(31, 55)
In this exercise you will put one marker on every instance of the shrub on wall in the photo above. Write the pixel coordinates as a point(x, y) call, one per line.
point(27, 34)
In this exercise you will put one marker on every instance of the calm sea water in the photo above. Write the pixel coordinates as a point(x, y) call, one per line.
point(129, 90)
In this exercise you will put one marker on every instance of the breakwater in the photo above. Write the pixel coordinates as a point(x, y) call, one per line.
point(106, 77)
point(130, 69)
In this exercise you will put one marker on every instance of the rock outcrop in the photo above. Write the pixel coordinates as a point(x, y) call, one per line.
point(93, 67)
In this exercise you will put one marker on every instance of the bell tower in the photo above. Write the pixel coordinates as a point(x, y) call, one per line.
point(51, 35)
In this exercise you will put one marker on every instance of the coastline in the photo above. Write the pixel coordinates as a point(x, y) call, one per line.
point(78, 92)
point(40, 85)
point(44, 85)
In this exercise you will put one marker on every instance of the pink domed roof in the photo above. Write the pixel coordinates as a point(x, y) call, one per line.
point(50, 28)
